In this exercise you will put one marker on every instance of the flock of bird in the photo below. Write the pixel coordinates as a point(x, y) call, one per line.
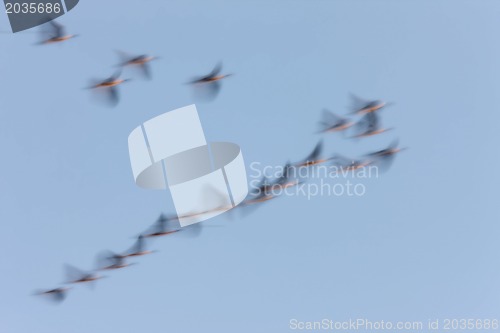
point(368, 125)
point(54, 32)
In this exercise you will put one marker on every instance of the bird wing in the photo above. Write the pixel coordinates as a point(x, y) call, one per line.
point(146, 70)
point(357, 103)
point(216, 71)
point(57, 29)
point(313, 156)
point(329, 118)
point(73, 273)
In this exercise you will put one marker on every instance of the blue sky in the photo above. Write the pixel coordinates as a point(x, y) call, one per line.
point(421, 243)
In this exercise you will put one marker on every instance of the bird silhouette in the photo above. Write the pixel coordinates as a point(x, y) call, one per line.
point(141, 61)
point(110, 86)
point(138, 248)
point(108, 260)
point(54, 33)
point(314, 157)
point(75, 275)
point(163, 226)
point(385, 157)
point(208, 86)
point(361, 106)
point(56, 295)
point(331, 122)
point(369, 125)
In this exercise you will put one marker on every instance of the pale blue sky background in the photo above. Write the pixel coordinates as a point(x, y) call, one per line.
point(422, 243)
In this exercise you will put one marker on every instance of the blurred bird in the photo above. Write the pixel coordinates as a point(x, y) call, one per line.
point(385, 157)
point(330, 122)
point(346, 164)
point(74, 275)
point(314, 157)
point(260, 193)
point(141, 61)
point(369, 125)
point(285, 180)
point(56, 33)
point(212, 200)
point(110, 85)
point(209, 85)
point(56, 295)
point(360, 105)
point(163, 226)
point(213, 76)
point(108, 260)
point(138, 249)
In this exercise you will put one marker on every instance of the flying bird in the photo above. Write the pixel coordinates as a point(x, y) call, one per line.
point(141, 61)
point(362, 106)
point(331, 122)
point(209, 85)
point(75, 275)
point(110, 86)
point(108, 260)
point(56, 33)
point(56, 295)
point(369, 125)
point(385, 157)
point(212, 200)
point(347, 164)
point(314, 157)
point(163, 226)
point(138, 249)
point(260, 197)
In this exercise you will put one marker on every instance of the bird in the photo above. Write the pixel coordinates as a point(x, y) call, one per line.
point(163, 226)
point(369, 125)
point(212, 200)
point(361, 106)
point(56, 34)
point(108, 260)
point(138, 249)
point(213, 76)
point(346, 164)
point(261, 192)
point(384, 157)
point(314, 157)
point(209, 85)
point(56, 295)
point(331, 122)
point(76, 275)
point(110, 86)
point(142, 61)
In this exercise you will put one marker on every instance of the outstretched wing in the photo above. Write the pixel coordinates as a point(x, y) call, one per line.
point(73, 273)
point(216, 71)
point(314, 155)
